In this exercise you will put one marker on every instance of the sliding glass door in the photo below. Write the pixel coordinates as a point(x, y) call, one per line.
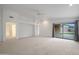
point(66, 31)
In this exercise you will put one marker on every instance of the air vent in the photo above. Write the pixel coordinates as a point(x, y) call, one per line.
point(11, 17)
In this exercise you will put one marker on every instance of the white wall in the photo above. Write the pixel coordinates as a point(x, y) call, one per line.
point(1, 33)
point(0, 23)
point(25, 30)
point(6, 18)
point(24, 25)
point(45, 29)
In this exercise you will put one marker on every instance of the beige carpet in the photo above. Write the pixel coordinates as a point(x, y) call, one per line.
point(39, 46)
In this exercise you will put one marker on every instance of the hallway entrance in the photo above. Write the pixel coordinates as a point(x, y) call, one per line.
point(10, 30)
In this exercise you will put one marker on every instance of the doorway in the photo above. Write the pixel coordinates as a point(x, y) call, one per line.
point(10, 30)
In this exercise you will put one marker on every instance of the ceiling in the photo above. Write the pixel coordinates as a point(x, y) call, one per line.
point(50, 10)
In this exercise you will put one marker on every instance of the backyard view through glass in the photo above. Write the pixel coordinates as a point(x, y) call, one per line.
point(65, 30)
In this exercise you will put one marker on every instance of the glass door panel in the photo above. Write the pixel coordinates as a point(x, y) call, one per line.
point(69, 31)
